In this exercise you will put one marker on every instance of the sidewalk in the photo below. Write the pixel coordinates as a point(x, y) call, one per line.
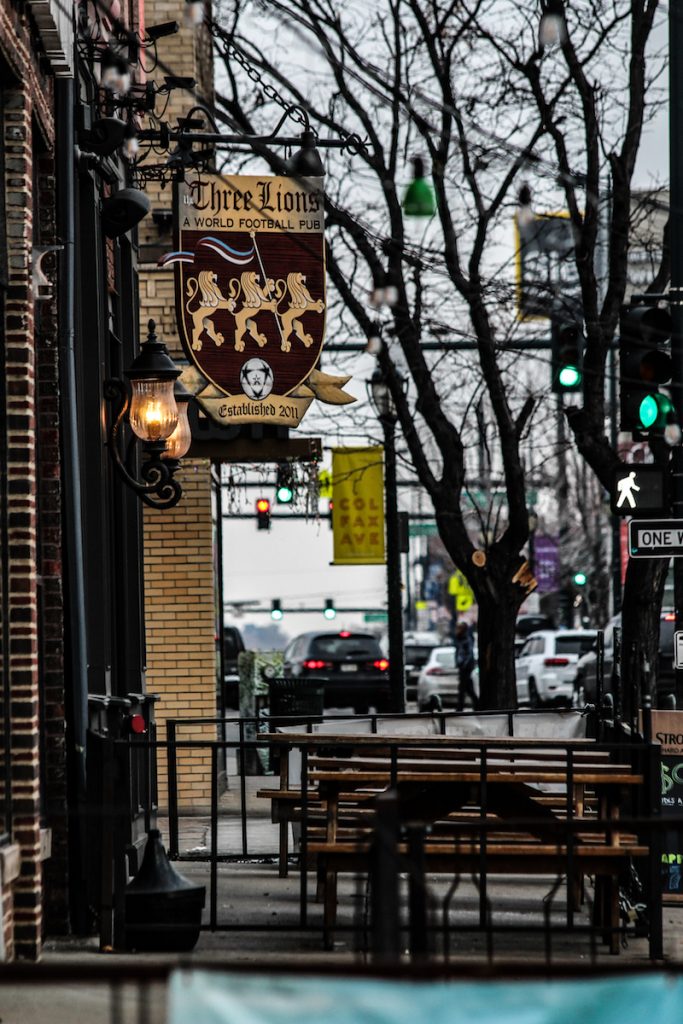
point(252, 893)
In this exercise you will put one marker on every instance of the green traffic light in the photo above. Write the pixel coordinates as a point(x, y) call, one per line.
point(648, 411)
point(284, 494)
point(569, 376)
point(580, 579)
point(655, 411)
point(330, 613)
point(276, 614)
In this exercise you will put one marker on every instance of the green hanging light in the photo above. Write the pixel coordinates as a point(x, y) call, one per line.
point(419, 200)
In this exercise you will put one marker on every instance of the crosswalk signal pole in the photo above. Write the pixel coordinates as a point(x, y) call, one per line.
point(676, 287)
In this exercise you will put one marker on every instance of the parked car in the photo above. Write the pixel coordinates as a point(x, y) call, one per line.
point(586, 680)
point(233, 645)
point(438, 682)
point(547, 664)
point(351, 667)
point(527, 624)
point(417, 647)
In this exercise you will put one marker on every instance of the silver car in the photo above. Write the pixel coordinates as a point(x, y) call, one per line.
point(438, 682)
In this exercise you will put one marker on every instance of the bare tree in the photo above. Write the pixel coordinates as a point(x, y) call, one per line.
point(466, 84)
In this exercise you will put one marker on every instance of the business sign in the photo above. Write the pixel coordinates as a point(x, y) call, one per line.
point(639, 491)
point(249, 265)
point(547, 279)
point(667, 730)
point(358, 497)
point(655, 538)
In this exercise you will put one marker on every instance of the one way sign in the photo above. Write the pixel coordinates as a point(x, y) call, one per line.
point(639, 491)
point(655, 538)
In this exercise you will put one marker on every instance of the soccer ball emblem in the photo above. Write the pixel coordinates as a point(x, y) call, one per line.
point(256, 378)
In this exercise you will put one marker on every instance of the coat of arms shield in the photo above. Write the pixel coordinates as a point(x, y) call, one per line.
point(250, 295)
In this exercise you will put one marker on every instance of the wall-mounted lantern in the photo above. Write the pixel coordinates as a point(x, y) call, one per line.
point(154, 409)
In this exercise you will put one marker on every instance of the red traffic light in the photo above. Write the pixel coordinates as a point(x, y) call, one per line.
point(263, 513)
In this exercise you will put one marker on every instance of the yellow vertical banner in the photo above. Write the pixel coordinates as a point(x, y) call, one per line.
point(358, 506)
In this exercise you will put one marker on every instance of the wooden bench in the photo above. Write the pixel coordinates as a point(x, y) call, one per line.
point(438, 746)
point(502, 806)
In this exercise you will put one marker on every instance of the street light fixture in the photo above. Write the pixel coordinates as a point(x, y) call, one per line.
point(383, 403)
point(149, 409)
point(419, 200)
point(552, 30)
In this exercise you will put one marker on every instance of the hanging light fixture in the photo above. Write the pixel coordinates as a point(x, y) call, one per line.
point(150, 410)
point(194, 13)
point(419, 200)
point(306, 162)
point(130, 145)
point(552, 29)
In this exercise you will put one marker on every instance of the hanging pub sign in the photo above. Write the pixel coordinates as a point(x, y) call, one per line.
point(249, 269)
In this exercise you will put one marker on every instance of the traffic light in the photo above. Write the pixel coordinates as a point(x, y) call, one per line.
point(276, 612)
point(330, 612)
point(643, 366)
point(262, 514)
point(579, 579)
point(284, 488)
point(567, 343)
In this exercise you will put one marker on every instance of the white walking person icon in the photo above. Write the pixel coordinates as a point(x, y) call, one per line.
point(626, 486)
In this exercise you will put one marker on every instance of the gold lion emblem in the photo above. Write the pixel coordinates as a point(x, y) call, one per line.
point(300, 301)
point(254, 300)
point(210, 299)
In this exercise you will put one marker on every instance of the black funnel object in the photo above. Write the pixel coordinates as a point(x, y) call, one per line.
point(163, 909)
point(306, 162)
point(123, 211)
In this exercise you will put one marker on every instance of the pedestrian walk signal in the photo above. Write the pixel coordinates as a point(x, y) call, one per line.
point(644, 365)
point(639, 491)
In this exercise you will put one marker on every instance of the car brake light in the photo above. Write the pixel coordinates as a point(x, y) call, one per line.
point(382, 664)
point(344, 633)
point(434, 671)
point(669, 617)
point(314, 663)
point(556, 661)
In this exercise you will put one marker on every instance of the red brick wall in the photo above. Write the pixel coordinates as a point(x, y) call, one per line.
point(30, 385)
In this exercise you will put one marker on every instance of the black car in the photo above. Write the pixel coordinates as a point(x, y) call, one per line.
point(351, 667)
point(586, 672)
point(233, 645)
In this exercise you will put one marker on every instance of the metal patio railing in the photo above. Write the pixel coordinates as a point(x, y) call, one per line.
point(302, 917)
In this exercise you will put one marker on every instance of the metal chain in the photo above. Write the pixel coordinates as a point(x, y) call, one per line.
point(231, 52)
point(354, 143)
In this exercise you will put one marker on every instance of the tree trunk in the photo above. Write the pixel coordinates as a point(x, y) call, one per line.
point(498, 607)
point(640, 617)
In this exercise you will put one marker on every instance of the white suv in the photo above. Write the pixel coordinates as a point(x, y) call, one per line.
point(547, 663)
